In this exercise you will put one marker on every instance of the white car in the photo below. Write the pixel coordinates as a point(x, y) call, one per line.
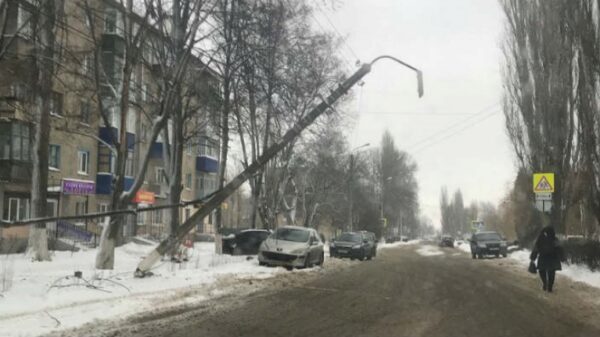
point(291, 247)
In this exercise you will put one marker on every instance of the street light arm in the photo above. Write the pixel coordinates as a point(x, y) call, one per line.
point(419, 72)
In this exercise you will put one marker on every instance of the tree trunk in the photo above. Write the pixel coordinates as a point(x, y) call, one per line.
point(112, 233)
point(44, 64)
point(224, 145)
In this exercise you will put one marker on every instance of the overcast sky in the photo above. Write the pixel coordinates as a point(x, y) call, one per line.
point(456, 131)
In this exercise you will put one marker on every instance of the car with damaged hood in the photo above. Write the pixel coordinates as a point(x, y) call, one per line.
point(292, 247)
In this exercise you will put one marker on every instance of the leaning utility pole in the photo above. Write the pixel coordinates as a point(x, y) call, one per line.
point(219, 197)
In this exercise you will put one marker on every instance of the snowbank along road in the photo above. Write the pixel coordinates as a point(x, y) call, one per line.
point(410, 290)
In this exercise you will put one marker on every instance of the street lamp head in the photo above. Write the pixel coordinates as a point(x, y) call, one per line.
point(420, 89)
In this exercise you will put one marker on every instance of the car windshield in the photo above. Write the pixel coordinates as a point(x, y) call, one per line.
point(350, 237)
point(291, 234)
point(488, 236)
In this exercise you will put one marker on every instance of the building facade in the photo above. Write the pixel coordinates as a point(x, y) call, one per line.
point(81, 163)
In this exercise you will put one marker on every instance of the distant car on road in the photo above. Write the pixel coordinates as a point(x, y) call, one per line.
point(246, 242)
point(487, 243)
point(355, 245)
point(447, 241)
point(292, 246)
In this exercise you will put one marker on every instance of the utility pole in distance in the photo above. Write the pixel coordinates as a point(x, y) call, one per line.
point(215, 201)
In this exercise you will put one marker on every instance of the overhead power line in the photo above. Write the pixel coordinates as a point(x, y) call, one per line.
point(450, 128)
point(460, 130)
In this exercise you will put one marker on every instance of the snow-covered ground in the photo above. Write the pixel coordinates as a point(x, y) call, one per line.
point(397, 244)
point(429, 251)
point(465, 246)
point(575, 272)
point(39, 297)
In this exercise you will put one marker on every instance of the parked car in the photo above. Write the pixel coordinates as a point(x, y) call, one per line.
point(355, 245)
point(487, 243)
point(292, 246)
point(246, 242)
point(372, 240)
point(447, 241)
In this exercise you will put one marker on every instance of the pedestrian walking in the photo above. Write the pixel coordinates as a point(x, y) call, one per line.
point(548, 252)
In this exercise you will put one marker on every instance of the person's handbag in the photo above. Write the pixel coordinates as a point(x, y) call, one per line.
point(532, 268)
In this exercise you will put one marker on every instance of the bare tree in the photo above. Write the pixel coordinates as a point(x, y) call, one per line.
point(539, 104)
point(137, 24)
point(288, 66)
point(189, 115)
point(46, 18)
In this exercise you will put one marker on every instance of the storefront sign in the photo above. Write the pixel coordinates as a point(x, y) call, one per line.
point(144, 197)
point(80, 187)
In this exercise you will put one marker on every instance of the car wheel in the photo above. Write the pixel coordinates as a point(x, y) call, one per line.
point(497, 255)
point(363, 255)
point(504, 255)
point(260, 263)
point(480, 256)
point(289, 268)
point(474, 256)
point(238, 251)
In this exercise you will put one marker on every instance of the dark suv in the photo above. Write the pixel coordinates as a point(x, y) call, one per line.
point(487, 243)
point(355, 245)
point(447, 241)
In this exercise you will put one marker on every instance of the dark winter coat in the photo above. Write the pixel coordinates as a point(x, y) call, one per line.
point(547, 250)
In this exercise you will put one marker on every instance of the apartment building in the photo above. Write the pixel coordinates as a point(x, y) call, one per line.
point(81, 165)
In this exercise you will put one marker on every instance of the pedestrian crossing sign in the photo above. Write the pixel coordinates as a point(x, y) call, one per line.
point(543, 182)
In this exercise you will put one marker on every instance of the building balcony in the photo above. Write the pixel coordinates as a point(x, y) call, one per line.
point(104, 183)
point(107, 133)
point(156, 150)
point(207, 164)
point(114, 43)
point(15, 171)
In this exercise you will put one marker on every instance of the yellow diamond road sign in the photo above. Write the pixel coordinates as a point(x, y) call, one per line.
point(543, 182)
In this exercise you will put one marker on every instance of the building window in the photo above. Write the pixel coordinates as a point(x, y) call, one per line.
point(129, 164)
point(84, 112)
point(5, 137)
point(102, 208)
point(83, 159)
point(15, 141)
point(54, 157)
point(189, 148)
point(16, 209)
point(52, 208)
point(112, 21)
point(208, 148)
point(157, 216)
point(24, 23)
point(187, 214)
point(188, 181)
point(87, 65)
point(80, 208)
point(56, 104)
point(160, 175)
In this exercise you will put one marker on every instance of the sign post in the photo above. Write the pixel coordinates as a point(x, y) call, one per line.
point(543, 187)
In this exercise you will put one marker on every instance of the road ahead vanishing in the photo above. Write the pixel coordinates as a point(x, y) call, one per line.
point(411, 290)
